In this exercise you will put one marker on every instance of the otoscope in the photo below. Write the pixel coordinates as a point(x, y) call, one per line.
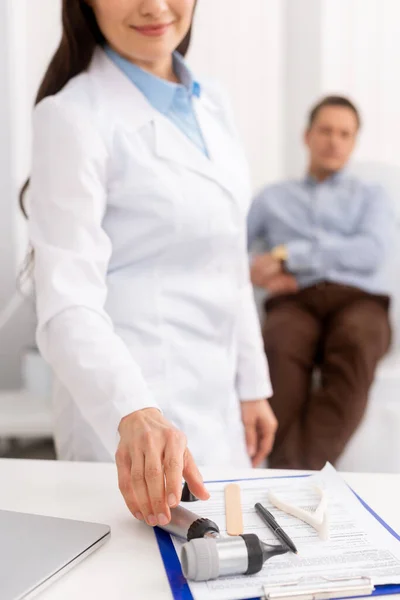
point(207, 555)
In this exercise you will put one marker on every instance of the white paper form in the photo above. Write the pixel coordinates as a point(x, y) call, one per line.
point(358, 546)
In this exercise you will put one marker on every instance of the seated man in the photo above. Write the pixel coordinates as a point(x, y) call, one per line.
point(328, 238)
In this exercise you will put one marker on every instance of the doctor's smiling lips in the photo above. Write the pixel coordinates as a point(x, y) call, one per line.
point(153, 30)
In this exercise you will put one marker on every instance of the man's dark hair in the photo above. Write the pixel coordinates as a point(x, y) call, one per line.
point(333, 101)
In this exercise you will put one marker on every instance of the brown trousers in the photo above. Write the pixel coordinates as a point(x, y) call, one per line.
point(344, 332)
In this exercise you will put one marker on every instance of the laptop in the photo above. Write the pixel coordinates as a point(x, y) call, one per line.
point(34, 550)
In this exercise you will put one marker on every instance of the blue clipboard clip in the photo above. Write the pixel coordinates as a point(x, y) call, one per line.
point(338, 588)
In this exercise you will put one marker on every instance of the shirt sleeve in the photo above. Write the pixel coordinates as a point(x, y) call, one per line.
point(71, 254)
point(361, 251)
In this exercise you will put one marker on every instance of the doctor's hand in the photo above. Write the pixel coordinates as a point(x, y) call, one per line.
point(152, 458)
point(260, 426)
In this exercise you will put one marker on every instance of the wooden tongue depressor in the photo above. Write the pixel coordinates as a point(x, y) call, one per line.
point(233, 510)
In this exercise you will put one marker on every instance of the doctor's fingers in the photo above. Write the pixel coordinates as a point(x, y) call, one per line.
point(263, 450)
point(251, 438)
point(125, 483)
point(145, 499)
point(193, 477)
point(154, 489)
point(266, 430)
point(175, 449)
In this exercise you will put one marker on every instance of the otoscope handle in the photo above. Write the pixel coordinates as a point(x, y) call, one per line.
point(188, 526)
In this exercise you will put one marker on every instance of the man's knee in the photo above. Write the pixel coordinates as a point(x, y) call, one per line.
point(287, 334)
point(361, 334)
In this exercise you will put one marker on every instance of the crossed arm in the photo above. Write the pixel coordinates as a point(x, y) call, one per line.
point(360, 251)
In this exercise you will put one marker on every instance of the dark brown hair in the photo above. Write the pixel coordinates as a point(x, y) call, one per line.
point(333, 101)
point(80, 36)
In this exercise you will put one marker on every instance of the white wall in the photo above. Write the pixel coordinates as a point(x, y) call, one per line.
point(241, 45)
point(35, 30)
point(361, 57)
point(7, 237)
point(29, 32)
point(302, 77)
point(356, 49)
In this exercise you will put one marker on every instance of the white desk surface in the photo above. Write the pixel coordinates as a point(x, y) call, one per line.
point(128, 566)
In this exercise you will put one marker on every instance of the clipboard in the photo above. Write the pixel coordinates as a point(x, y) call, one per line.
point(181, 590)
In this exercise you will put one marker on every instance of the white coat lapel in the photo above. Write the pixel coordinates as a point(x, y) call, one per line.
point(131, 108)
point(121, 98)
point(226, 154)
point(226, 165)
point(173, 145)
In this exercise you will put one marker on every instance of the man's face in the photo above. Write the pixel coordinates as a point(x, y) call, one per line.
point(331, 138)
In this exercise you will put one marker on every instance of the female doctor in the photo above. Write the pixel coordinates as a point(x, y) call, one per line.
point(138, 201)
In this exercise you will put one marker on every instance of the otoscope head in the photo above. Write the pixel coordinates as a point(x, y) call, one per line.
point(200, 560)
point(270, 550)
point(208, 558)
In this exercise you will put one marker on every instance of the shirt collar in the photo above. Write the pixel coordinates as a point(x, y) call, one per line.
point(159, 92)
point(332, 179)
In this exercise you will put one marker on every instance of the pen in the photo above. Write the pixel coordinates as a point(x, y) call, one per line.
point(269, 520)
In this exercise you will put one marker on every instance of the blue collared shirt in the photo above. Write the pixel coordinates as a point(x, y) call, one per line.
point(339, 230)
point(173, 100)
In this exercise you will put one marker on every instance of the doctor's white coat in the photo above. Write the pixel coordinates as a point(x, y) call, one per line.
point(141, 269)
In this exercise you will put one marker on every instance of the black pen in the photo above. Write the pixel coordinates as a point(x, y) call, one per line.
point(269, 520)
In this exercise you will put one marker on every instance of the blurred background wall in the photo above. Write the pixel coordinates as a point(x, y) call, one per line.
point(29, 33)
point(351, 47)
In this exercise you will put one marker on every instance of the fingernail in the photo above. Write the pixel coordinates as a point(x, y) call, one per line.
point(139, 516)
point(172, 500)
point(152, 520)
point(162, 520)
point(252, 451)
